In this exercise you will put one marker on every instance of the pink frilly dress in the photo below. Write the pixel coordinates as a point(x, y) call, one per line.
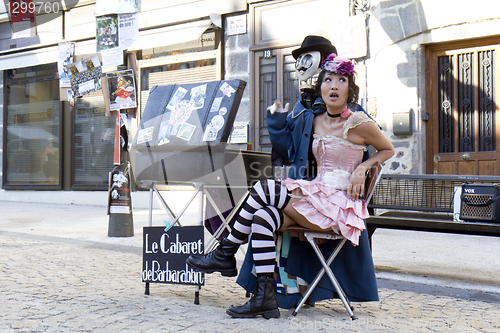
point(323, 200)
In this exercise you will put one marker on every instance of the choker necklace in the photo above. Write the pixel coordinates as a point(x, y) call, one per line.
point(333, 115)
point(344, 114)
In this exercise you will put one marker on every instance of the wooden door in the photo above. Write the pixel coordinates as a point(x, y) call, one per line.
point(463, 129)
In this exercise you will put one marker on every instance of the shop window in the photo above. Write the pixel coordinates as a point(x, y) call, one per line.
point(200, 67)
point(93, 142)
point(32, 123)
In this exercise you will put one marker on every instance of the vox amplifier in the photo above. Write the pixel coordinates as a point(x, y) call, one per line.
point(480, 202)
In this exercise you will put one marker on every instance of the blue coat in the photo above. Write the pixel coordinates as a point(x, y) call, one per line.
point(290, 136)
point(291, 133)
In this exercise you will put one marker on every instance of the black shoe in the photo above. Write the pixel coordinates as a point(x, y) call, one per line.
point(219, 260)
point(263, 303)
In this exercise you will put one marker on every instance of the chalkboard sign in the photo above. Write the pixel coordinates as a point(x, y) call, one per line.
point(165, 254)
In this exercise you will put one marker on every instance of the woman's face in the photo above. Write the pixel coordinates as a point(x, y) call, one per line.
point(335, 90)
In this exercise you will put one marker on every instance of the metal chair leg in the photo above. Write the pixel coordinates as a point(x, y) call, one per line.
point(326, 268)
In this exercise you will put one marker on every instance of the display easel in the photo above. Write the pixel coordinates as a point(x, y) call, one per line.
point(182, 141)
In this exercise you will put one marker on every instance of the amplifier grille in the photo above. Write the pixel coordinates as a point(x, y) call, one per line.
point(474, 206)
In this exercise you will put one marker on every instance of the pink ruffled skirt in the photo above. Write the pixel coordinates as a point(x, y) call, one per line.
point(328, 207)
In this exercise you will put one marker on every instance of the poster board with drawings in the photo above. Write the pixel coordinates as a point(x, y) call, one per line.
point(193, 114)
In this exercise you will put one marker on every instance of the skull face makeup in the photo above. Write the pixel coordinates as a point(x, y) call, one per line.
point(307, 64)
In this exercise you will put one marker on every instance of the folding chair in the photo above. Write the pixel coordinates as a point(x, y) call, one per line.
point(311, 235)
point(372, 178)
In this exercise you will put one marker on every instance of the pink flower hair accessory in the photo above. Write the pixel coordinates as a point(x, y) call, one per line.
point(336, 64)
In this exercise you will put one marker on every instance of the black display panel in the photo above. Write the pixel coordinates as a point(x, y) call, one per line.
point(183, 134)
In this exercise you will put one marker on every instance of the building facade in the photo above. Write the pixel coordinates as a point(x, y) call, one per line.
point(427, 71)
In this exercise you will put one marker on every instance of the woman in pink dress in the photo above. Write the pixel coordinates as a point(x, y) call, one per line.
point(329, 201)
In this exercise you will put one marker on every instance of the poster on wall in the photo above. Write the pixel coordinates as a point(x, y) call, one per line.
point(22, 18)
point(85, 76)
point(107, 33)
point(105, 7)
point(128, 26)
point(351, 35)
point(121, 87)
point(119, 201)
point(22, 11)
point(66, 54)
point(114, 34)
point(240, 132)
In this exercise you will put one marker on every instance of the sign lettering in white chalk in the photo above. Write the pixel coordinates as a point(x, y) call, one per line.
point(165, 254)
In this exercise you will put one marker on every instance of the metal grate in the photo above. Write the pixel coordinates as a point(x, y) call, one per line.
point(487, 103)
point(477, 206)
point(446, 100)
point(421, 192)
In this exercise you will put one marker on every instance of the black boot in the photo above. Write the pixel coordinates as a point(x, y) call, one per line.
point(262, 303)
point(219, 260)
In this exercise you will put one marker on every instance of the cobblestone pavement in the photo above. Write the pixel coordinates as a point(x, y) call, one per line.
point(50, 283)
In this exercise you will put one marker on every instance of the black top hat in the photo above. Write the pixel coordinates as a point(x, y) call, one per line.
point(315, 43)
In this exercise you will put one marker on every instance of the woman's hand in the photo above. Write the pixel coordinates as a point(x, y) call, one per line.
point(356, 185)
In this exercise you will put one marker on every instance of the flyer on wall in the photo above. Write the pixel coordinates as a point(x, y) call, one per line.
point(85, 76)
point(121, 87)
point(22, 18)
point(119, 201)
point(107, 34)
point(128, 26)
point(66, 54)
point(114, 34)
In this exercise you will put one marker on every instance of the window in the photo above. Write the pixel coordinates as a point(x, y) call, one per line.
point(93, 142)
point(32, 121)
point(178, 69)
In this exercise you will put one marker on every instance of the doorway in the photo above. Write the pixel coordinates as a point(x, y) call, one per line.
point(275, 79)
point(462, 102)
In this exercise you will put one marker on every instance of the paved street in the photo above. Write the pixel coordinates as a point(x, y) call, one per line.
point(59, 272)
